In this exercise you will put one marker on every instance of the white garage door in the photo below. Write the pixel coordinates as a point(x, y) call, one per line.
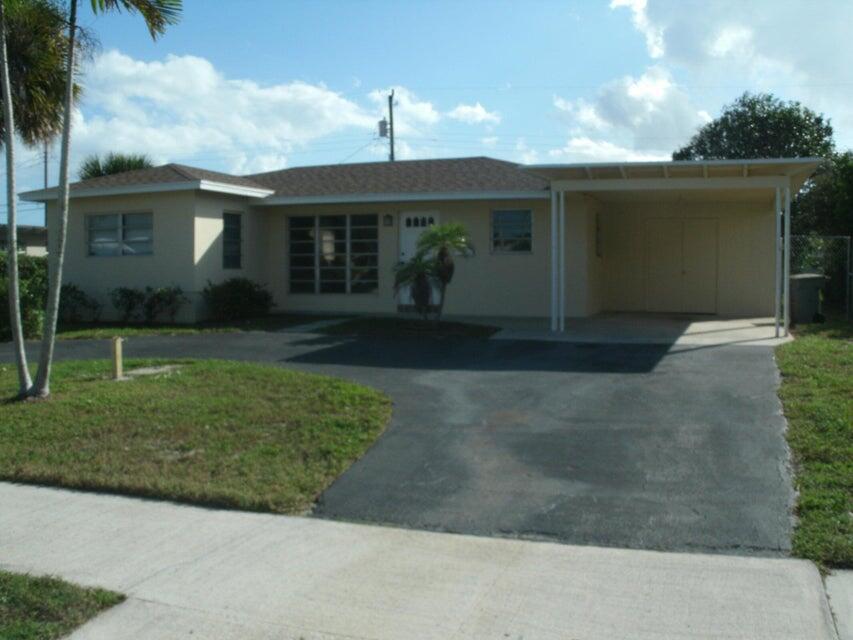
point(681, 265)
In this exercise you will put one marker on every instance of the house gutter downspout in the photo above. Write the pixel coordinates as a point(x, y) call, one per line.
point(787, 282)
point(553, 317)
point(777, 215)
point(562, 263)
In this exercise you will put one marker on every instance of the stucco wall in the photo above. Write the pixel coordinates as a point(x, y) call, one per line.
point(496, 284)
point(170, 264)
point(208, 241)
point(745, 253)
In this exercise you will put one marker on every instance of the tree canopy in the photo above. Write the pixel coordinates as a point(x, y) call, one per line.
point(95, 167)
point(37, 49)
point(761, 126)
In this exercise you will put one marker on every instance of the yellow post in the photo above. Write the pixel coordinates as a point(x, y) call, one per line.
point(118, 365)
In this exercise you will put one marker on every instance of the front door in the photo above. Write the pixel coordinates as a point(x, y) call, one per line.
point(412, 225)
point(681, 265)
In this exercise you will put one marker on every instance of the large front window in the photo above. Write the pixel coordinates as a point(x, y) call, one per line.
point(120, 234)
point(334, 254)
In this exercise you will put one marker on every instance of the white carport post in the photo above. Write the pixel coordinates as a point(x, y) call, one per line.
point(777, 215)
point(561, 281)
point(787, 283)
point(554, 260)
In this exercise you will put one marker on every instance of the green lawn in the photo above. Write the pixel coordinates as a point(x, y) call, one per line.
point(34, 608)
point(103, 330)
point(396, 327)
point(817, 394)
point(213, 432)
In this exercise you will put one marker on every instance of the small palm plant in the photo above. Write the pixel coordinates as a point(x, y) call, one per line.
point(443, 242)
point(417, 274)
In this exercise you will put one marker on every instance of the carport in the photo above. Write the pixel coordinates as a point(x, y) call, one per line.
point(681, 237)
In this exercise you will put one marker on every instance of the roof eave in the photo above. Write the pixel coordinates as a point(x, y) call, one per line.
point(47, 195)
point(404, 197)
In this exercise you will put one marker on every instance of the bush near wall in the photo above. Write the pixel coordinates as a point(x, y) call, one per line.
point(149, 304)
point(75, 305)
point(32, 272)
point(237, 299)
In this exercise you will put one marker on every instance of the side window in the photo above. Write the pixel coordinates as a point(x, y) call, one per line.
point(232, 241)
point(512, 231)
point(116, 234)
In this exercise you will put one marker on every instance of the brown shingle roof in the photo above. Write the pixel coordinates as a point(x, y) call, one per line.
point(164, 174)
point(453, 175)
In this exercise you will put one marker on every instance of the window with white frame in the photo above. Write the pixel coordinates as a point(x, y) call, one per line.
point(120, 234)
point(232, 241)
point(512, 231)
point(334, 254)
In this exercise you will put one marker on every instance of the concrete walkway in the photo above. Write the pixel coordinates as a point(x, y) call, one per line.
point(647, 328)
point(221, 574)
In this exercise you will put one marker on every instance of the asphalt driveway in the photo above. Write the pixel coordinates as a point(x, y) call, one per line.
point(640, 446)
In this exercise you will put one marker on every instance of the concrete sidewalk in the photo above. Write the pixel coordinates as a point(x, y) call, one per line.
point(227, 574)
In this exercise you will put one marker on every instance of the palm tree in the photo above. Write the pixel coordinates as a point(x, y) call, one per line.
point(417, 274)
point(158, 14)
point(33, 51)
point(444, 241)
point(94, 167)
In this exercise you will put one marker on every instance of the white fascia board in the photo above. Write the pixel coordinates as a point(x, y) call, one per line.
point(45, 195)
point(668, 184)
point(233, 189)
point(405, 197)
point(675, 163)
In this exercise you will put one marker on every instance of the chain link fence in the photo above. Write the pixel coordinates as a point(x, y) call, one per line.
point(831, 257)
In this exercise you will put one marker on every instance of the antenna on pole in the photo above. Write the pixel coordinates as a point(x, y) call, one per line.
point(386, 127)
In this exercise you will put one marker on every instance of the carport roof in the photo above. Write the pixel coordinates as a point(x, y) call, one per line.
point(675, 173)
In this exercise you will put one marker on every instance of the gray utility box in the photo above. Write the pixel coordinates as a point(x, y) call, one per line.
point(805, 296)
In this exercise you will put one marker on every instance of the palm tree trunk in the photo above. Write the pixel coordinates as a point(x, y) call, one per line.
point(441, 291)
point(24, 382)
point(56, 257)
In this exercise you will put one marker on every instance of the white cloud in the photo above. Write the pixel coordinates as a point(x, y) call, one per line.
point(182, 108)
point(654, 34)
point(489, 141)
point(525, 154)
point(584, 149)
point(791, 49)
point(646, 115)
point(474, 114)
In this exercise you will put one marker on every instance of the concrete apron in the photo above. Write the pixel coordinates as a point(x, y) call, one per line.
point(229, 574)
point(646, 328)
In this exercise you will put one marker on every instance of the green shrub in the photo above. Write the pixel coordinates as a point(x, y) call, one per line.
point(75, 305)
point(236, 299)
point(128, 302)
point(163, 301)
point(32, 279)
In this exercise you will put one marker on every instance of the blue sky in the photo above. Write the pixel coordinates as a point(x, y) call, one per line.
point(245, 86)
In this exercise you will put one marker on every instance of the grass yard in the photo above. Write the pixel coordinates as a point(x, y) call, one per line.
point(397, 327)
point(104, 330)
point(213, 432)
point(34, 608)
point(817, 394)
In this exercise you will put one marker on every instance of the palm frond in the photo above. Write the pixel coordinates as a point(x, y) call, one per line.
point(450, 237)
point(158, 14)
point(406, 273)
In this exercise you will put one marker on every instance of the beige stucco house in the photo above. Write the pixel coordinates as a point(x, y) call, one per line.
point(552, 241)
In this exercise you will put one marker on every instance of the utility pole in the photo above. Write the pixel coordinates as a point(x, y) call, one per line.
point(45, 163)
point(391, 122)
